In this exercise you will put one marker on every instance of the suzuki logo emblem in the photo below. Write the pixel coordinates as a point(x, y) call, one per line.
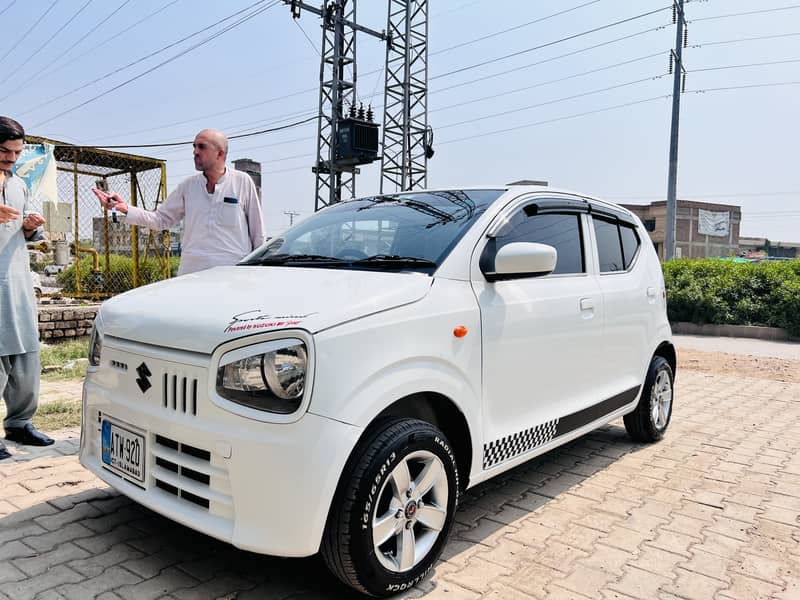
point(142, 381)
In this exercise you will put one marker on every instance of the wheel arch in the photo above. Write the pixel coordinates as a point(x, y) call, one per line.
point(667, 351)
point(441, 412)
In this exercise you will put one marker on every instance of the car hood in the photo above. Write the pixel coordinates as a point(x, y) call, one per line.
point(197, 312)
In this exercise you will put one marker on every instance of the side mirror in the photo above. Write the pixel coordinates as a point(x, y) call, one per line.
point(523, 259)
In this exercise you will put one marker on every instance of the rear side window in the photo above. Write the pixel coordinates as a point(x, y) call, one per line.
point(562, 231)
point(617, 245)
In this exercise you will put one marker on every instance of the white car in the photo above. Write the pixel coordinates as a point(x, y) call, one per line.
point(338, 389)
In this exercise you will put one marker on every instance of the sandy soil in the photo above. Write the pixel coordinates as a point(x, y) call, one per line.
point(776, 369)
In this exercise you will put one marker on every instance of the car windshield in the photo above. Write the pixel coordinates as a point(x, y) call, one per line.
point(402, 232)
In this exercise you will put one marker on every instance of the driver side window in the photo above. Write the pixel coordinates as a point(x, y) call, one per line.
point(560, 230)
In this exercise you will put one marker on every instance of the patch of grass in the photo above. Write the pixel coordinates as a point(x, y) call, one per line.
point(58, 414)
point(60, 353)
point(64, 360)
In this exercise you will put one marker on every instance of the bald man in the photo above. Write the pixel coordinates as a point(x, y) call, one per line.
point(219, 207)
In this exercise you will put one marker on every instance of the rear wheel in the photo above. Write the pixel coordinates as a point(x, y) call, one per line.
point(393, 509)
point(649, 421)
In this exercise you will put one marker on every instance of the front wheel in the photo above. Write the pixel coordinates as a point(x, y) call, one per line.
point(393, 509)
point(649, 421)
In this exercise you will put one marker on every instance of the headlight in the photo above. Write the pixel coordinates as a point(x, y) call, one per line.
point(95, 344)
point(271, 380)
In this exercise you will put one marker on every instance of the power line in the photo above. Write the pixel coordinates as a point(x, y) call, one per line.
point(479, 79)
point(142, 59)
point(743, 66)
point(21, 86)
point(743, 14)
point(184, 143)
point(555, 120)
point(752, 39)
point(555, 101)
point(49, 39)
point(510, 29)
point(12, 3)
point(550, 82)
point(163, 63)
point(25, 35)
point(552, 43)
point(743, 87)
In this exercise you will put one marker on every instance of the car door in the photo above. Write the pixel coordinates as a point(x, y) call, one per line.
point(631, 298)
point(542, 335)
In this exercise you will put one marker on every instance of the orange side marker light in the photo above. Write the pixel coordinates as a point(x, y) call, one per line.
point(460, 331)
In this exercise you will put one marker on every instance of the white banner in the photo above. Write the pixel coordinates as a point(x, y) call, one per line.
point(37, 167)
point(713, 223)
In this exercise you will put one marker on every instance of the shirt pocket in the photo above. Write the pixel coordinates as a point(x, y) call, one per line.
point(226, 214)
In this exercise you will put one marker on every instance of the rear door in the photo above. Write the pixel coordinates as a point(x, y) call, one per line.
point(631, 297)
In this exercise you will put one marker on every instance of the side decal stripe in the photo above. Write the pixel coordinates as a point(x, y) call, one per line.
point(596, 411)
point(508, 447)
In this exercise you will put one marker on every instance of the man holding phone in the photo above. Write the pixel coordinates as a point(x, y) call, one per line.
point(219, 206)
point(19, 332)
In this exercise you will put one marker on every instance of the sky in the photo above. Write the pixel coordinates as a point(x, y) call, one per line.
point(584, 102)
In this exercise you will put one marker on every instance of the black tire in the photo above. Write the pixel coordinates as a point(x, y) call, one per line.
point(367, 491)
point(658, 392)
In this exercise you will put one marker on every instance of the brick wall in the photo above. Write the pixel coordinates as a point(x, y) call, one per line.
point(65, 322)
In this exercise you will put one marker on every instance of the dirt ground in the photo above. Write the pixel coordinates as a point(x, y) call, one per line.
point(756, 367)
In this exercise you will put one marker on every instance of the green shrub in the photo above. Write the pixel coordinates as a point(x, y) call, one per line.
point(119, 277)
point(726, 292)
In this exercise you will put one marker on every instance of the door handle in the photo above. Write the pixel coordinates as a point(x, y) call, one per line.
point(587, 303)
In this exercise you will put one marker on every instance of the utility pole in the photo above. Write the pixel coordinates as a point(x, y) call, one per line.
point(679, 78)
point(407, 138)
point(291, 214)
point(335, 175)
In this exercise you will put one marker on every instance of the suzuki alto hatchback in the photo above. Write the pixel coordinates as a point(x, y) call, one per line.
point(338, 389)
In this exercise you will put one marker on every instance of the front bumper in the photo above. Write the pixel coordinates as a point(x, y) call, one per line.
point(262, 487)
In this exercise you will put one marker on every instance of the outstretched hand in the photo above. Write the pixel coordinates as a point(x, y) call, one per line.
point(111, 200)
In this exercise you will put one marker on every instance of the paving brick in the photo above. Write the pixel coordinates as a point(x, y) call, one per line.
point(36, 565)
point(108, 580)
point(625, 539)
point(509, 553)
point(560, 556)
point(677, 543)
point(51, 539)
point(586, 582)
point(21, 531)
point(694, 586)
point(15, 549)
point(99, 543)
point(532, 579)
point(150, 566)
point(97, 563)
point(228, 584)
point(747, 588)
point(166, 582)
point(77, 512)
point(656, 560)
point(639, 584)
point(27, 589)
point(9, 572)
point(707, 564)
point(477, 574)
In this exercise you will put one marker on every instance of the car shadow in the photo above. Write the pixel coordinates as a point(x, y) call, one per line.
point(107, 531)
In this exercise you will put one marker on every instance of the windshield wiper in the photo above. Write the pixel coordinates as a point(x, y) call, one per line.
point(393, 260)
point(282, 259)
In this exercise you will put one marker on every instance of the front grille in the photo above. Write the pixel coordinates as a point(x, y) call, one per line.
point(179, 394)
point(186, 472)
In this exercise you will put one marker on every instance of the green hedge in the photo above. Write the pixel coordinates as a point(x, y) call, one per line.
point(725, 292)
point(119, 278)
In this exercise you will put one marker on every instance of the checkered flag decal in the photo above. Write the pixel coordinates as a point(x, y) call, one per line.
point(513, 445)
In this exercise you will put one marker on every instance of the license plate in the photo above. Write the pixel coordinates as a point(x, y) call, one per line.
point(123, 450)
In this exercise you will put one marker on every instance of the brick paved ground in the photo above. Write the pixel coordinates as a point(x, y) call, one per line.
point(710, 512)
